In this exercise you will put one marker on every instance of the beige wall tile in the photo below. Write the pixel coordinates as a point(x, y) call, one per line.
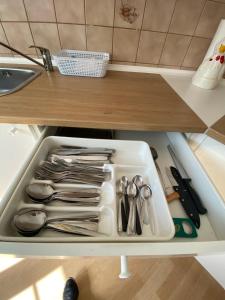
point(19, 36)
point(125, 43)
point(99, 38)
point(150, 47)
point(12, 10)
point(169, 67)
point(117, 62)
point(139, 5)
point(175, 49)
point(186, 16)
point(99, 12)
point(70, 11)
point(46, 35)
point(209, 21)
point(196, 52)
point(72, 36)
point(158, 14)
point(40, 11)
point(3, 40)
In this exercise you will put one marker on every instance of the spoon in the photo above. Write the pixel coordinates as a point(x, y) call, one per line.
point(124, 182)
point(146, 194)
point(42, 192)
point(138, 180)
point(133, 221)
point(30, 221)
point(122, 218)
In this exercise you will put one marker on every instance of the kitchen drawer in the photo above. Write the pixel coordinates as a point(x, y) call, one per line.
point(17, 146)
point(211, 238)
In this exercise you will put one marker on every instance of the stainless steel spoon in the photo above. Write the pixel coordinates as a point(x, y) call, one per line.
point(29, 222)
point(121, 217)
point(43, 192)
point(138, 180)
point(146, 194)
point(132, 192)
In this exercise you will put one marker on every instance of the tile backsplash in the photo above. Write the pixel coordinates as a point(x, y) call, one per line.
point(172, 33)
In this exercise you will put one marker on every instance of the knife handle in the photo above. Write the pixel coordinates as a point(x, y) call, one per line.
point(172, 196)
point(188, 205)
point(127, 206)
point(196, 199)
point(123, 217)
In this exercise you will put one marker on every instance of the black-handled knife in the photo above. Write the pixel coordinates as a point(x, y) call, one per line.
point(187, 181)
point(195, 197)
point(185, 198)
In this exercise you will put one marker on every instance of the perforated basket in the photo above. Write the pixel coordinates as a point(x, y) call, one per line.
point(82, 63)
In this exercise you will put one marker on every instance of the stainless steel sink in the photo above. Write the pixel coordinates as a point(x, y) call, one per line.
point(12, 79)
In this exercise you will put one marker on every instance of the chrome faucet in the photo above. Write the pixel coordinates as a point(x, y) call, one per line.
point(46, 56)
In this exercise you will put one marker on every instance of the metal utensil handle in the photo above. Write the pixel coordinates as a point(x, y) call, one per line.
point(71, 199)
point(130, 220)
point(71, 194)
point(119, 216)
point(67, 228)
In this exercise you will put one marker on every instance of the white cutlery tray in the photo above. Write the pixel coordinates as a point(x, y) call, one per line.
point(131, 158)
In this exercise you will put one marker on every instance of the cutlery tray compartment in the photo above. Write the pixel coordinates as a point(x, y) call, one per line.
point(131, 158)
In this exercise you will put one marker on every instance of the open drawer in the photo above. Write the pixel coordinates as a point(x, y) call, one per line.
point(211, 236)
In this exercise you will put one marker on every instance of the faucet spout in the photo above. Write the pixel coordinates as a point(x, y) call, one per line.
point(44, 52)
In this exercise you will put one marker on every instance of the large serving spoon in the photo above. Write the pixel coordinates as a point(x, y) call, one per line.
point(43, 192)
point(30, 222)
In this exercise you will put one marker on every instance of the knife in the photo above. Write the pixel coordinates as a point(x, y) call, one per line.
point(187, 182)
point(184, 195)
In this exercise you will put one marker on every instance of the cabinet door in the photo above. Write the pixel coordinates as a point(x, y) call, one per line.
point(17, 144)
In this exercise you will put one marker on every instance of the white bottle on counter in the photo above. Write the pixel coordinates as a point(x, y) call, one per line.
point(212, 68)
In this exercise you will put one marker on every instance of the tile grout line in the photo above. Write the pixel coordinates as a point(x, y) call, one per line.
point(25, 9)
point(113, 27)
point(57, 24)
point(167, 32)
point(193, 34)
point(6, 38)
point(140, 30)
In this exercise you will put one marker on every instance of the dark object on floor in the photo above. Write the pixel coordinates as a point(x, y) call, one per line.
point(85, 133)
point(71, 291)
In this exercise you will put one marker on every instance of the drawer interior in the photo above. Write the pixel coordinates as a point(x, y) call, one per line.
point(213, 223)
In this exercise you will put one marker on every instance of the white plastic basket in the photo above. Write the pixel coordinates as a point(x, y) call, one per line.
point(82, 63)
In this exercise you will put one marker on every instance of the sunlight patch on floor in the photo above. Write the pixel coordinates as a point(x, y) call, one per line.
point(51, 286)
point(7, 261)
point(27, 294)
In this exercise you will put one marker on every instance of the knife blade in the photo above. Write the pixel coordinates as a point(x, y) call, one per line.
point(187, 182)
point(184, 195)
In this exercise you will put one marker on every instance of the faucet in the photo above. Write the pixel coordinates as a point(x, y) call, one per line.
point(46, 56)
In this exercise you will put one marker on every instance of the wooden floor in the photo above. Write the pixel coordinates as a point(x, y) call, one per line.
point(152, 279)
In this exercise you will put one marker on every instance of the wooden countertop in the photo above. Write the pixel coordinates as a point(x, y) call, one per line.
point(121, 100)
point(217, 131)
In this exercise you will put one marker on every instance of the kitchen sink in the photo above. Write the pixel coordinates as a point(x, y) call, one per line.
point(13, 79)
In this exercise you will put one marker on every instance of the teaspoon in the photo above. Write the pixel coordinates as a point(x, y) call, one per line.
point(146, 194)
point(132, 224)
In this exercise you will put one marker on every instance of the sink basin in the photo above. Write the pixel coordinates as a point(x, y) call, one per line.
point(12, 79)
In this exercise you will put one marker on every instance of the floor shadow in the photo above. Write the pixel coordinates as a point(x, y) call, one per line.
point(23, 275)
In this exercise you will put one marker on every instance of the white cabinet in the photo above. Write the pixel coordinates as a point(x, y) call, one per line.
point(17, 146)
point(211, 238)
